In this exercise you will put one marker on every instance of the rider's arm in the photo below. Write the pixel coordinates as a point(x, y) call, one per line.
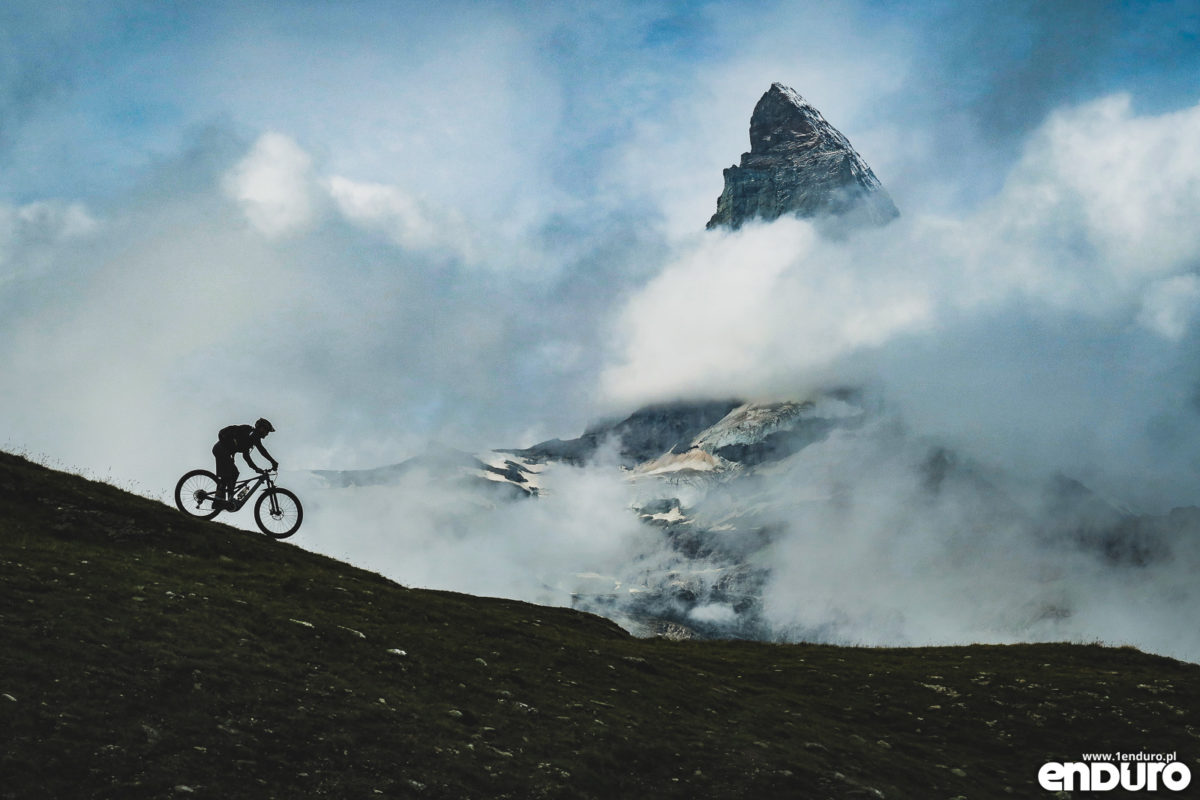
point(263, 450)
point(253, 466)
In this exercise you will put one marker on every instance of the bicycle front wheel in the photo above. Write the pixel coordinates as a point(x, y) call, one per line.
point(278, 513)
point(195, 492)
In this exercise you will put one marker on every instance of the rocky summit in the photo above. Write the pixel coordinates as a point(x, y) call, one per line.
point(799, 164)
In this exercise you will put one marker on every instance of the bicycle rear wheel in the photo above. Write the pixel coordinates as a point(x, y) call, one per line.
point(195, 492)
point(278, 513)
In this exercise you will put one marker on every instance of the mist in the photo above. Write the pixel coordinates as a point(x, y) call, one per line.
point(887, 550)
point(432, 533)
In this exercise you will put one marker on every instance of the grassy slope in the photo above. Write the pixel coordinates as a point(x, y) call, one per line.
point(143, 654)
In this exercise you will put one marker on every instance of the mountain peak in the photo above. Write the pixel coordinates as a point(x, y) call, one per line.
point(799, 164)
point(782, 119)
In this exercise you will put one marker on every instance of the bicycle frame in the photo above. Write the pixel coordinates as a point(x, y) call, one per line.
point(258, 480)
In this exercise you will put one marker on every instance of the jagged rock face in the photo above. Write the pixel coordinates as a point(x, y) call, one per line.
point(647, 433)
point(799, 164)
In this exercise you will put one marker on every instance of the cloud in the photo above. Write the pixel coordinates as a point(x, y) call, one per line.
point(273, 185)
point(1131, 180)
point(1169, 305)
point(432, 532)
point(404, 219)
point(31, 233)
point(874, 555)
point(746, 309)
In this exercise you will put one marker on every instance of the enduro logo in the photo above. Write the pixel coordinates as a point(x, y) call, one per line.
point(1104, 772)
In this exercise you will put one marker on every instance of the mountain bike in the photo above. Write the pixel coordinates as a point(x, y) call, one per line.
point(278, 511)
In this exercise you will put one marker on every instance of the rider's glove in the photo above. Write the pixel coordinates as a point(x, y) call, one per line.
point(275, 466)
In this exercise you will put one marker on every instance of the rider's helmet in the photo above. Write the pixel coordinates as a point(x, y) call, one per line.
point(263, 427)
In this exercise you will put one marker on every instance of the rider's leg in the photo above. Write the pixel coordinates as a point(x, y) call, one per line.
point(226, 471)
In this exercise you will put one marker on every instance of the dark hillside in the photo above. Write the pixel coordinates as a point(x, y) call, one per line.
point(146, 655)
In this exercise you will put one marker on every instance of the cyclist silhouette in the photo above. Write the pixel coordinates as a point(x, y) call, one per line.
point(231, 441)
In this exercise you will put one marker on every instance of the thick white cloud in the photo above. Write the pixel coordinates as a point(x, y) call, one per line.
point(273, 185)
point(1135, 180)
point(404, 219)
point(738, 312)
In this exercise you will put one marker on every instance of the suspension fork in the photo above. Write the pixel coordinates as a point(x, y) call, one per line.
point(274, 499)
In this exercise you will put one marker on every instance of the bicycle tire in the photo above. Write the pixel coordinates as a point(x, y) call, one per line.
point(195, 492)
point(287, 521)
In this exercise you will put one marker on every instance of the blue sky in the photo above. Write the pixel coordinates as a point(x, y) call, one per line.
point(95, 93)
point(389, 222)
